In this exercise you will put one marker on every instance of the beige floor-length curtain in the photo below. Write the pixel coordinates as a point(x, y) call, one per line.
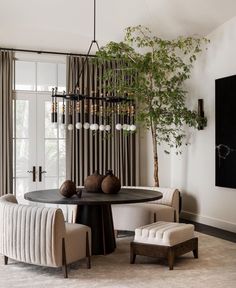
point(6, 164)
point(88, 151)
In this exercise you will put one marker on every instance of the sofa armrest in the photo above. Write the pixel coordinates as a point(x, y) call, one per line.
point(171, 197)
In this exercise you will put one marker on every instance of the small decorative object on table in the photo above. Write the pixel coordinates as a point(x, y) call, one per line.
point(111, 184)
point(68, 188)
point(79, 193)
point(93, 183)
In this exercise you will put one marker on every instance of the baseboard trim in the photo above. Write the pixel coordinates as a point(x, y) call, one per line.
point(228, 226)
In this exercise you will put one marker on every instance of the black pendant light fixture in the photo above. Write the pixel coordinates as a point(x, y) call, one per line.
point(100, 121)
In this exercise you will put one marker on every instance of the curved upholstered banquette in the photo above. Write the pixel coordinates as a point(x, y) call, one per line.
point(131, 216)
point(39, 235)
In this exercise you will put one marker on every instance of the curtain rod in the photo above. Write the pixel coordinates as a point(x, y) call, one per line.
point(44, 52)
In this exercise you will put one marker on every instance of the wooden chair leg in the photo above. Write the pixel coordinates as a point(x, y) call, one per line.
point(195, 253)
point(195, 250)
point(5, 260)
point(88, 256)
point(132, 255)
point(154, 218)
point(64, 264)
point(171, 258)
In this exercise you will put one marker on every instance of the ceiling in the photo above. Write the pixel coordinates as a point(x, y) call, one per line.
point(67, 25)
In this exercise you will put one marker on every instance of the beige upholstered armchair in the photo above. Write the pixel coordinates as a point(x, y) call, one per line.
point(131, 216)
point(40, 236)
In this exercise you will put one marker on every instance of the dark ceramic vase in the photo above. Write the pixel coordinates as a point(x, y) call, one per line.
point(68, 188)
point(111, 184)
point(93, 183)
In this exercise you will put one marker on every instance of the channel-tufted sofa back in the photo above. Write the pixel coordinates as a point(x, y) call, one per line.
point(31, 234)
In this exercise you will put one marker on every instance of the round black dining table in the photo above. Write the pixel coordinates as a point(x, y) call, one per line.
point(94, 210)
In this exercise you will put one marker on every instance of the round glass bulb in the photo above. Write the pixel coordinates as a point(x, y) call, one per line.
point(108, 127)
point(95, 126)
point(124, 127)
point(70, 127)
point(118, 126)
point(91, 127)
point(128, 127)
point(132, 127)
point(78, 125)
point(86, 125)
point(101, 127)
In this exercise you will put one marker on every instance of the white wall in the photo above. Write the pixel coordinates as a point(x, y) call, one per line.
point(194, 172)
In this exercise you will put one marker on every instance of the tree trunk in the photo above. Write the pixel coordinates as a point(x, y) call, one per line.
point(155, 156)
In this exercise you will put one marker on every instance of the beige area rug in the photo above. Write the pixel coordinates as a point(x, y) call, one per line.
point(216, 267)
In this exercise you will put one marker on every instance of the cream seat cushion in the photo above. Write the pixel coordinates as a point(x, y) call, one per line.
point(164, 233)
point(76, 241)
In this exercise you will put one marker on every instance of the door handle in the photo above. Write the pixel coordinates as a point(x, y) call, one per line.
point(40, 173)
point(34, 173)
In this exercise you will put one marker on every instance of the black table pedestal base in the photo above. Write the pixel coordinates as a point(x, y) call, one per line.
point(99, 218)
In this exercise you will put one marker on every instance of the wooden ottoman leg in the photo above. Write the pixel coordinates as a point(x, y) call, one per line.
point(195, 250)
point(171, 258)
point(132, 254)
point(5, 260)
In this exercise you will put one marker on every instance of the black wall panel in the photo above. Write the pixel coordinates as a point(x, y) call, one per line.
point(225, 167)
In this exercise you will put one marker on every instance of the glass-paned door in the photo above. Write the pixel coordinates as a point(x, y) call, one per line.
point(39, 145)
point(24, 144)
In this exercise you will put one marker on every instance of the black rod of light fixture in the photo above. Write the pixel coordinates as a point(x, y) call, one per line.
point(94, 41)
point(45, 52)
point(94, 21)
point(76, 96)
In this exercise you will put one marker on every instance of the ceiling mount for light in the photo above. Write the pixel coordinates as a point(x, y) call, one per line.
point(93, 42)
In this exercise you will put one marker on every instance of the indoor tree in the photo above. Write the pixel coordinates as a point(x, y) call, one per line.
point(152, 71)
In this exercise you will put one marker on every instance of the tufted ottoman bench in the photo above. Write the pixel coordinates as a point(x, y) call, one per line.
point(164, 239)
